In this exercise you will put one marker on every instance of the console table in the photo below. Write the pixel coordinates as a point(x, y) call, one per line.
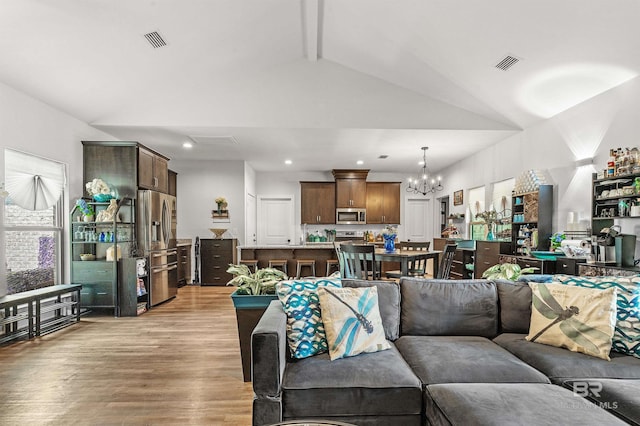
point(65, 311)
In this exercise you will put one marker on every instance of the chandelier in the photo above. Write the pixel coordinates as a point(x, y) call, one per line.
point(422, 185)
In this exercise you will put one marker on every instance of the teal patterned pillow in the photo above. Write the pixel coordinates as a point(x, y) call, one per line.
point(626, 337)
point(305, 330)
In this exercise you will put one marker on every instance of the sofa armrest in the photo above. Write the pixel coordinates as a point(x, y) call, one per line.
point(268, 351)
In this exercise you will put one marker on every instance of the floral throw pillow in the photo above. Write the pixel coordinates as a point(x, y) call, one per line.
point(579, 319)
point(352, 321)
point(626, 337)
point(305, 330)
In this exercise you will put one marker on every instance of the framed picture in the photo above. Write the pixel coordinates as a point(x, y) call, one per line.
point(457, 198)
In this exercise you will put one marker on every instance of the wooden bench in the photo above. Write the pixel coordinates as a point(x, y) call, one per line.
point(13, 312)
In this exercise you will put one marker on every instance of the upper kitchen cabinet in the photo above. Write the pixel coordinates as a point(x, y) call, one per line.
point(351, 188)
point(383, 202)
point(318, 202)
point(153, 171)
point(125, 165)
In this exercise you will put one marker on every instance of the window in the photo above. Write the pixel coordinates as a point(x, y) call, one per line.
point(33, 222)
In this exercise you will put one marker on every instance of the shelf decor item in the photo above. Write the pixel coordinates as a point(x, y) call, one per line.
point(222, 204)
point(100, 191)
point(389, 234)
point(88, 213)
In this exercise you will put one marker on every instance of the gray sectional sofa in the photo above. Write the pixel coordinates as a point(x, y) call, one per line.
point(458, 357)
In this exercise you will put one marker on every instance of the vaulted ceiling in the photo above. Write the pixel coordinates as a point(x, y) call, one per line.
point(320, 82)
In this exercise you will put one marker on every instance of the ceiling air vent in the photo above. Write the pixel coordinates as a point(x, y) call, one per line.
point(507, 62)
point(155, 39)
point(383, 156)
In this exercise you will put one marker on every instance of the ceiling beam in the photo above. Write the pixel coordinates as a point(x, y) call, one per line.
point(311, 28)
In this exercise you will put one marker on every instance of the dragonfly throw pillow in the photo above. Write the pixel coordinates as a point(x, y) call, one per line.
point(352, 321)
point(579, 319)
point(305, 330)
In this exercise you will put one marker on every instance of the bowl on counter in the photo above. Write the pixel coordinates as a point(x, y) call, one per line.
point(87, 256)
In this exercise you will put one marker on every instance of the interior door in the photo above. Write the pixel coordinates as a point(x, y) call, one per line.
point(250, 236)
point(275, 220)
point(418, 221)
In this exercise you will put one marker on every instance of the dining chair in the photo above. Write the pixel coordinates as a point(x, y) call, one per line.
point(444, 270)
point(340, 257)
point(360, 261)
point(417, 268)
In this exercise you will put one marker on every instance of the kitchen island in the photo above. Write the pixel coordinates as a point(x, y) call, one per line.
point(320, 252)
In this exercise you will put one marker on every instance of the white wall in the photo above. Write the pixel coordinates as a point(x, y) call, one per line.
point(29, 125)
point(590, 129)
point(199, 184)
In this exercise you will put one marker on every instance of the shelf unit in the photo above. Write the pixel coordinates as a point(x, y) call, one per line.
point(605, 208)
point(108, 242)
point(532, 210)
point(134, 286)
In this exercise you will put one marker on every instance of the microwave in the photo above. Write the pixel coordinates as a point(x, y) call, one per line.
point(351, 216)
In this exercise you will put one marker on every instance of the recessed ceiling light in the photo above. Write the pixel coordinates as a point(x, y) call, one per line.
point(187, 145)
point(359, 162)
point(288, 162)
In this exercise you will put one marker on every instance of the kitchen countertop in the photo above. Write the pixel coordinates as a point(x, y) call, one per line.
point(290, 246)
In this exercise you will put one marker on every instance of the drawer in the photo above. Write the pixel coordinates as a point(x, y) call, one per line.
point(568, 266)
point(484, 248)
point(91, 272)
point(97, 294)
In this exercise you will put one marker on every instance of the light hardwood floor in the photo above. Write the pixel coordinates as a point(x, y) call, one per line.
point(177, 364)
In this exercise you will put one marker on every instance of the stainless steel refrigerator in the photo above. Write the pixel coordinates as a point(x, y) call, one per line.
point(157, 238)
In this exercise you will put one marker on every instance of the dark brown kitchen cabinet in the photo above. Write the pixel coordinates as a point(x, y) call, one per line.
point(488, 254)
point(351, 188)
point(215, 257)
point(383, 202)
point(173, 183)
point(318, 202)
point(153, 171)
point(126, 165)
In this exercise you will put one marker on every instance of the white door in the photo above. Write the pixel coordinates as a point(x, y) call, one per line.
point(250, 237)
point(275, 220)
point(418, 219)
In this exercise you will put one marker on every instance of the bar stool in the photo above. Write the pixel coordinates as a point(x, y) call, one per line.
point(332, 264)
point(279, 264)
point(301, 263)
point(252, 264)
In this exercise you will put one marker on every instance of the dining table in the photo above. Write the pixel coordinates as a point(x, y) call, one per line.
point(405, 257)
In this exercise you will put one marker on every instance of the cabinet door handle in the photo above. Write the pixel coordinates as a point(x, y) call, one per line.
point(564, 265)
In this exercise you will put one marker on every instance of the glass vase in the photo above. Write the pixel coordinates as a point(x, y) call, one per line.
point(389, 243)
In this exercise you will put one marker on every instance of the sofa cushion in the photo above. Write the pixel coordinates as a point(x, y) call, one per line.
point(617, 396)
point(626, 337)
point(560, 364)
point(388, 303)
point(579, 319)
point(305, 330)
point(464, 359)
point(510, 404)
point(448, 308)
point(352, 321)
point(379, 383)
point(514, 300)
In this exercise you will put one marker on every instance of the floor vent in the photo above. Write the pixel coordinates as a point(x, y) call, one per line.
point(155, 39)
point(507, 62)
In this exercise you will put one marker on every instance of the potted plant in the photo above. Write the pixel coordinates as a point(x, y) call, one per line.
point(506, 271)
point(254, 292)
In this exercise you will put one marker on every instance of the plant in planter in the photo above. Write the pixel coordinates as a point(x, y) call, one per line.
point(263, 281)
point(506, 271)
point(255, 290)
